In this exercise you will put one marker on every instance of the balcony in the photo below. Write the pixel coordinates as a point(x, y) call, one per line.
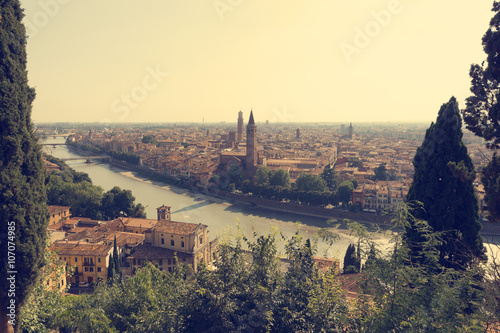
point(91, 263)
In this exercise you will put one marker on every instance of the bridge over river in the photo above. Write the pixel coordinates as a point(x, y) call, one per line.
point(88, 159)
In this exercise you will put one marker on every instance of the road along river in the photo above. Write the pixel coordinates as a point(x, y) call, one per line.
point(221, 217)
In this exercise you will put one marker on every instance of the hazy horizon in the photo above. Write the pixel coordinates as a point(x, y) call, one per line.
point(290, 61)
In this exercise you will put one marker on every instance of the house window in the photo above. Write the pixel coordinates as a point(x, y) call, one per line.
point(60, 258)
point(163, 241)
point(172, 242)
point(76, 259)
point(98, 259)
point(169, 261)
point(76, 271)
point(183, 259)
point(98, 269)
point(135, 263)
point(201, 239)
point(64, 258)
point(86, 269)
point(182, 243)
point(161, 262)
point(91, 269)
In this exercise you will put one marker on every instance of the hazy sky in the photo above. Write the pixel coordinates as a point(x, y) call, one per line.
point(288, 60)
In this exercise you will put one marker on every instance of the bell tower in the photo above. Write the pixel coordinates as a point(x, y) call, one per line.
point(251, 154)
point(240, 127)
point(163, 213)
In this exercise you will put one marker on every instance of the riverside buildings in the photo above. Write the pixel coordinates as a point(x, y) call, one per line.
point(197, 152)
point(87, 245)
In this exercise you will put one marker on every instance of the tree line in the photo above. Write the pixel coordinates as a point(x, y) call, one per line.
point(75, 189)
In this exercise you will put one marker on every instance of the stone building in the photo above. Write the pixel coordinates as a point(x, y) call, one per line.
point(170, 243)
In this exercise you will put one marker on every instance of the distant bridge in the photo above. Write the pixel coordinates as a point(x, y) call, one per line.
point(87, 158)
point(53, 144)
point(64, 135)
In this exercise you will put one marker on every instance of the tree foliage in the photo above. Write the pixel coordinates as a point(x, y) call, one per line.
point(148, 139)
point(482, 111)
point(330, 177)
point(22, 176)
point(279, 177)
point(445, 190)
point(491, 180)
point(75, 189)
point(345, 192)
point(309, 183)
point(352, 259)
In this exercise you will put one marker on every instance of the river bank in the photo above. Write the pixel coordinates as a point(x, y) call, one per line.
point(488, 229)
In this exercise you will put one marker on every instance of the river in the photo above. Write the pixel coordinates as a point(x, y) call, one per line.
point(221, 217)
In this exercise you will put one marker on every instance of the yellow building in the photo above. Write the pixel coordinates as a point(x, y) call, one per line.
point(168, 240)
point(90, 260)
point(58, 214)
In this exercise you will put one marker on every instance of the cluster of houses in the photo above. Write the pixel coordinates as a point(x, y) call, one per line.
point(87, 245)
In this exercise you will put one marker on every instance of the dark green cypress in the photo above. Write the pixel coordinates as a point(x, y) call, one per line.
point(111, 269)
point(116, 258)
point(443, 183)
point(22, 175)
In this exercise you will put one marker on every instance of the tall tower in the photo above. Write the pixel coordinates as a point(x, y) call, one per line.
point(350, 131)
point(298, 133)
point(240, 126)
point(251, 156)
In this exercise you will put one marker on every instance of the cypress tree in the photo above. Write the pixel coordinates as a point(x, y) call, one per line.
point(482, 111)
point(22, 190)
point(111, 269)
point(350, 260)
point(491, 181)
point(443, 184)
point(116, 258)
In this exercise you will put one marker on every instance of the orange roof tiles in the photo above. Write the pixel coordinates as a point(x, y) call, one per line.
point(151, 252)
point(179, 228)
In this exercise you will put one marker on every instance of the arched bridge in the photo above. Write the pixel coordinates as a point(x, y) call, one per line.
point(87, 158)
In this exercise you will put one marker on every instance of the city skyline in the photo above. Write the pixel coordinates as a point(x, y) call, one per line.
point(383, 61)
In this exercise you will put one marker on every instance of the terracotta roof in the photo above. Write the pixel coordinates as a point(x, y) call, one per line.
point(81, 249)
point(115, 225)
point(108, 237)
point(135, 222)
point(56, 209)
point(151, 252)
point(178, 228)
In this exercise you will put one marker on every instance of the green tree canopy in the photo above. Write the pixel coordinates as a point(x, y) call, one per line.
point(148, 139)
point(481, 113)
point(345, 192)
point(330, 177)
point(381, 172)
point(235, 174)
point(279, 177)
point(23, 208)
point(491, 181)
point(449, 201)
point(261, 177)
point(352, 261)
point(308, 182)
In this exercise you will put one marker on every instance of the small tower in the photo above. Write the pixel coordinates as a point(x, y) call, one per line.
point(163, 213)
point(298, 133)
point(240, 126)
